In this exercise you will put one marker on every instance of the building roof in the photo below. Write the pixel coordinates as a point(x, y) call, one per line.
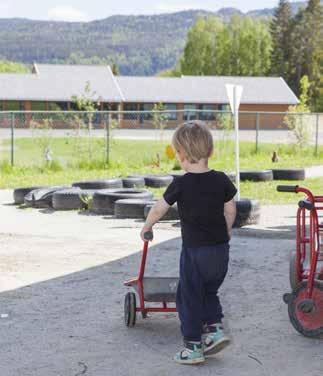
point(205, 89)
point(62, 82)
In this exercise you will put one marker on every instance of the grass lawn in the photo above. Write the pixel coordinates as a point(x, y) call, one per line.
point(72, 161)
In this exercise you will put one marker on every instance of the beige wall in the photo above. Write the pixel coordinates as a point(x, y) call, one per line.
point(266, 121)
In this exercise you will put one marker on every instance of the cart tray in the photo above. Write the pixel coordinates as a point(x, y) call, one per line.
point(159, 289)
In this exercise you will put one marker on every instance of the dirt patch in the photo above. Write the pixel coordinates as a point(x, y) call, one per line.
point(62, 296)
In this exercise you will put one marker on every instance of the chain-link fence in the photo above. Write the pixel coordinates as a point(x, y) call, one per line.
point(77, 138)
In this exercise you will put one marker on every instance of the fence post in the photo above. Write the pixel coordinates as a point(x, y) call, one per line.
point(257, 131)
point(12, 139)
point(108, 139)
point(317, 134)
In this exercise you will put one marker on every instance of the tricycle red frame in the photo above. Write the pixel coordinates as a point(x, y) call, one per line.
point(309, 234)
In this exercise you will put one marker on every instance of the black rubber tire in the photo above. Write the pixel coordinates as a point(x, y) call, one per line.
point(171, 215)
point(72, 199)
point(99, 184)
point(158, 181)
point(42, 198)
point(292, 307)
point(131, 208)
point(130, 309)
point(133, 182)
point(103, 202)
point(289, 174)
point(293, 279)
point(248, 213)
point(265, 175)
point(20, 193)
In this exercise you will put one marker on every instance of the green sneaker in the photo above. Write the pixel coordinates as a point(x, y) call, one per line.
point(191, 354)
point(214, 340)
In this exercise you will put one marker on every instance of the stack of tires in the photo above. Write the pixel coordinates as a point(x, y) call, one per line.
point(122, 198)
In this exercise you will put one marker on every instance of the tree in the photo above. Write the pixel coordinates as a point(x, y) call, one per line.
point(12, 67)
point(115, 69)
point(200, 46)
point(319, 104)
point(280, 30)
point(88, 103)
point(306, 45)
point(242, 47)
point(295, 120)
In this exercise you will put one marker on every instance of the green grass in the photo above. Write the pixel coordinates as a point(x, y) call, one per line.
point(72, 162)
point(128, 154)
point(266, 192)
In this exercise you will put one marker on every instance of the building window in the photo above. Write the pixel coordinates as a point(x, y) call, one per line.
point(207, 112)
point(190, 112)
point(171, 113)
point(15, 106)
point(58, 106)
point(38, 106)
point(224, 107)
point(130, 115)
point(146, 115)
point(108, 106)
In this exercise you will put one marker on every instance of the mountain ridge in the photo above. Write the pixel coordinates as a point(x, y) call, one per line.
point(139, 45)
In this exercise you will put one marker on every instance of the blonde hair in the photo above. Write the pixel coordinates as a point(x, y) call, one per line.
point(195, 139)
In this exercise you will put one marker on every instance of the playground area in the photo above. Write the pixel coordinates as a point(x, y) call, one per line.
point(62, 296)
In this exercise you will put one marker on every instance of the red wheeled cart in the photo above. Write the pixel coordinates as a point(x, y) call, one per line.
point(305, 302)
point(160, 290)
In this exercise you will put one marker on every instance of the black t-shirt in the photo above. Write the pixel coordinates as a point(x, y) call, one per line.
point(200, 199)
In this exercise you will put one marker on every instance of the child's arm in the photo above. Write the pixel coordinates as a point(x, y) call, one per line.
point(230, 212)
point(156, 212)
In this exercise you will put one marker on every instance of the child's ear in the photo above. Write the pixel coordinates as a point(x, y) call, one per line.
point(181, 155)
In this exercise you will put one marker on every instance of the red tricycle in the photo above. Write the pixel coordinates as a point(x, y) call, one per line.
point(305, 302)
point(160, 290)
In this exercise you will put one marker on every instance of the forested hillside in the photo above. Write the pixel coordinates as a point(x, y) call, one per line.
point(139, 45)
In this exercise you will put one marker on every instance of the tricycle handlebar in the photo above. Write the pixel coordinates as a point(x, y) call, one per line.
point(287, 188)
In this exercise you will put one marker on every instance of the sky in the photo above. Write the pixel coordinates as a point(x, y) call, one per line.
point(85, 10)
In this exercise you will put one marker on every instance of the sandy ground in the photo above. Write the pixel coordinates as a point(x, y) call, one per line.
point(61, 300)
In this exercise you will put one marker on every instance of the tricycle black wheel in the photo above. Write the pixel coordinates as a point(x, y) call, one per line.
point(294, 279)
point(130, 309)
point(306, 315)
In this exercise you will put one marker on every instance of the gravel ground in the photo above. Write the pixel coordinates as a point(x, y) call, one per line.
point(61, 299)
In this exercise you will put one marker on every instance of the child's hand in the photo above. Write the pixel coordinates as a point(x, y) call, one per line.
point(143, 231)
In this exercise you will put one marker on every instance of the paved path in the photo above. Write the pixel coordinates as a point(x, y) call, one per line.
point(265, 136)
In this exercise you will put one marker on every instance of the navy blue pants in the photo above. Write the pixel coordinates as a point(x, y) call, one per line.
point(202, 272)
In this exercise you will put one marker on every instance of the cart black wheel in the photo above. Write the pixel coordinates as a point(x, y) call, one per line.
point(294, 279)
point(144, 315)
point(308, 322)
point(130, 309)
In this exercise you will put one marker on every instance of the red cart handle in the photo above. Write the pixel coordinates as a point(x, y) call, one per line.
point(148, 236)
